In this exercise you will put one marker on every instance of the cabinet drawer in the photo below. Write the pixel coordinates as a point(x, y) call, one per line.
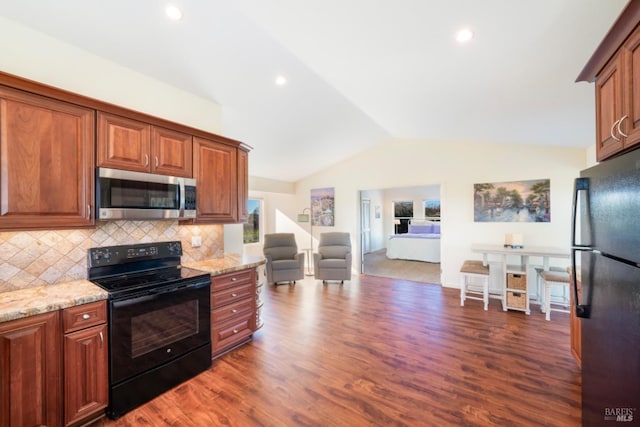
point(229, 311)
point(230, 295)
point(231, 279)
point(83, 316)
point(231, 333)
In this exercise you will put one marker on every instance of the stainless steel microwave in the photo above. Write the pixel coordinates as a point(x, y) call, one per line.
point(124, 194)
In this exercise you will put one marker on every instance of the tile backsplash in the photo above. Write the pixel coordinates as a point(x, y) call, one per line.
point(35, 258)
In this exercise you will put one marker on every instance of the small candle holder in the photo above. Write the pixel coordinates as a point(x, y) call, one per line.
point(513, 241)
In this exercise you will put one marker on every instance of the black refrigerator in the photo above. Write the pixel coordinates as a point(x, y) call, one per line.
point(606, 257)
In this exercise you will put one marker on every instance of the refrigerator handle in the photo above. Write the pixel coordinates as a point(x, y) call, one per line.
point(581, 309)
point(581, 184)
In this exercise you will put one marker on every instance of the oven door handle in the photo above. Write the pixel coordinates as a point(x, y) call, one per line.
point(151, 294)
point(196, 285)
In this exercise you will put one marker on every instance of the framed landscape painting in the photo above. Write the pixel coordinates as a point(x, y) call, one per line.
point(517, 201)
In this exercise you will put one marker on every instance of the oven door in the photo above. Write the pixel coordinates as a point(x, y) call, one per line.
point(149, 330)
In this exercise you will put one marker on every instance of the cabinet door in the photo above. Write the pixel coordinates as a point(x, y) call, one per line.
point(123, 143)
point(631, 93)
point(85, 373)
point(609, 108)
point(215, 171)
point(243, 185)
point(46, 172)
point(575, 328)
point(171, 152)
point(30, 369)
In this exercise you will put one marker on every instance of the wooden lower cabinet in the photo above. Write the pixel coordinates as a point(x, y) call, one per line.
point(54, 367)
point(30, 366)
point(86, 381)
point(576, 328)
point(257, 319)
point(233, 310)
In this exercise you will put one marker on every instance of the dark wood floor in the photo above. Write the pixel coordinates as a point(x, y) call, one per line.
point(382, 352)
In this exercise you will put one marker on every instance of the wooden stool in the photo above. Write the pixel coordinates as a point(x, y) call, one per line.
point(474, 271)
point(555, 276)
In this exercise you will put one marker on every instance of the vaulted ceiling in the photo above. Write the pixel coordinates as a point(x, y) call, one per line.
point(359, 72)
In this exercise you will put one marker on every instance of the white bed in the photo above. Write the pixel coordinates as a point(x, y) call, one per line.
point(417, 245)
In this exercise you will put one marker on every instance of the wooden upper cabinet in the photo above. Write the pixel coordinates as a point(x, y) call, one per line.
point(630, 125)
point(615, 68)
point(123, 143)
point(129, 144)
point(609, 109)
point(46, 167)
point(243, 185)
point(618, 101)
point(215, 171)
point(171, 152)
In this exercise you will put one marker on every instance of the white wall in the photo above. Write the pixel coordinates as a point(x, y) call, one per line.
point(456, 167)
point(36, 56)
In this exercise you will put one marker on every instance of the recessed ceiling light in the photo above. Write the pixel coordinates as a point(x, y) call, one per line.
point(280, 80)
point(464, 35)
point(173, 12)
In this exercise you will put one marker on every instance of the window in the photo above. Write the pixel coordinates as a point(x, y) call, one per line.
point(252, 228)
point(403, 209)
point(403, 212)
point(432, 209)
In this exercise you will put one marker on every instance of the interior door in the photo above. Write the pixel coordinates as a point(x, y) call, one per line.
point(365, 221)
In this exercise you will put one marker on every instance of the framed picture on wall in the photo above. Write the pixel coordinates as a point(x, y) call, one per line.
point(323, 207)
point(516, 201)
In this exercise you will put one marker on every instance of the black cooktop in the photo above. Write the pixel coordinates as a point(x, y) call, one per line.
point(146, 267)
point(149, 279)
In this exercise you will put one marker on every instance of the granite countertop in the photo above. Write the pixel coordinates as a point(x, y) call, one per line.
point(42, 299)
point(228, 264)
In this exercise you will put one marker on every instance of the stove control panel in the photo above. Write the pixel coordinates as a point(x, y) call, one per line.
point(112, 255)
point(142, 252)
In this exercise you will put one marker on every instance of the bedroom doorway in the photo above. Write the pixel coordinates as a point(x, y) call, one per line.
point(378, 222)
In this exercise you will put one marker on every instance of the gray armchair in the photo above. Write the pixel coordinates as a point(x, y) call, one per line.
point(333, 259)
point(284, 263)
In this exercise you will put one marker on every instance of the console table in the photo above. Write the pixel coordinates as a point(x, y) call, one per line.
point(510, 295)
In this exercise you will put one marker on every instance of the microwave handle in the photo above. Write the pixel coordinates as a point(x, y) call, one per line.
point(181, 196)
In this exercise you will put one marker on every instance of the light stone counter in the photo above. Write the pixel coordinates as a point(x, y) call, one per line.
point(228, 264)
point(43, 299)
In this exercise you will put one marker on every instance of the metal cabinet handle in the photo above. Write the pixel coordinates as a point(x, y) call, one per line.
point(234, 295)
point(611, 131)
point(234, 311)
point(235, 331)
point(146, 159)
point(233, 279)
point(620, 124)
point(101, 339)
point(156, 161)
point(88, 211)
point(86, 316)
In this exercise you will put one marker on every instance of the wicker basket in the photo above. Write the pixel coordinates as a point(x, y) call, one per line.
point(516, 300)
point(517, 281)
